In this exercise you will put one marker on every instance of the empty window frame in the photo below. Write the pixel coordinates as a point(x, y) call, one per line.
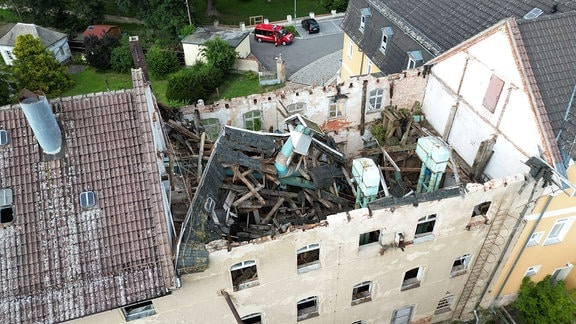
point(444, 304)
point(255, 318)
point(296, 107)
point(4, 137)
point(252, 120)
point(532, 270)
point(493, 93)
point(481, 209)
point(7, 215)
point(308, 258)
point(460, 265)
point(402, 315)
point(375, 98)
point(386, 38)
point(336, 109)
point(412, 278)
point(535, 238)
point(307, 308)
point(362, 293)
point(558, 231)
point(244, 275)
point(139, 310)
point(425, 225)
point(368, 238)
point(211, 127)
point(87, 199)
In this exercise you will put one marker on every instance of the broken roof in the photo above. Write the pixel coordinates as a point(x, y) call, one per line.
point(46, 36)
point(59, 261)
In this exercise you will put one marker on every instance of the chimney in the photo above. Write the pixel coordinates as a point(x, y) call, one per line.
point(138, 56)
point(42, 120)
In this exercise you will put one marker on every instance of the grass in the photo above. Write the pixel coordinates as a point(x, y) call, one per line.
point(8, 16)
point(232, 12)
point(240, 85)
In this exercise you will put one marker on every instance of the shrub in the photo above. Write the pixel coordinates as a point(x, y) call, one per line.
point(121, 59)
point(187, 30)
point(191, 84)
point(98, 51)
point(161, 62)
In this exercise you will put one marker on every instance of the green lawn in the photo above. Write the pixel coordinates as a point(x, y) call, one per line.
point(240, 85)
point(232, 12)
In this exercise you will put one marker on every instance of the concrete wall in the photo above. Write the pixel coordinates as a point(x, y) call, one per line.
point(458, 82)
point(408, 88)
point(343, 264)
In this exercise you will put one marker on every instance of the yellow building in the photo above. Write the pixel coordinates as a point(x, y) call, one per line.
point(546, 245)
point(354, 61)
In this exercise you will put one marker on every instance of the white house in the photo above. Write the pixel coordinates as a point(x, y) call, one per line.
point(55, 41)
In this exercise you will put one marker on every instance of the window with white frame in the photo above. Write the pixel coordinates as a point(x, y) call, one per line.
point(558, 231)
point(244, 275)
point(350, 49)
point(375, 99)
point(562, 273)
point(211, 127)
point(412, 278)
point(425, 225)
point(362, 293)
point(369, 237)
point(415, 59)
point(336, 110)
point(386, 38)
point(4, 137)
point(444, 304)
point(532, 270)
point(296, 107)
point(255, 318)
point(364, 14)
point(308, 258)
point(307, 308)
point(369, 67)
point(535, 238)
point(402, 315)
point(460, 265)
point(253, 121)
point(140, 310)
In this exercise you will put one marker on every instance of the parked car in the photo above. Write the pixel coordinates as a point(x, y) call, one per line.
point(272, 33)
point(310, 25)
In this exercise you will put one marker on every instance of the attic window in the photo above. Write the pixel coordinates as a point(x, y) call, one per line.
point(87, 199)
point(4, 137)
point(534, 13)
point(136, 311)
point(415, 59)
point(493, 93)
point(6, 214)
point(386, 38)
point(365, 13)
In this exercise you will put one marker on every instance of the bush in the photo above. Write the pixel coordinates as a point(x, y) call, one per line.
point(191, 84)
point(121, 59)
point(161, 62)
point(98, 51)
point(338, 5)
point(187, 30)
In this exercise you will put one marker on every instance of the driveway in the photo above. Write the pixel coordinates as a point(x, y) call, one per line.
point(304, 50)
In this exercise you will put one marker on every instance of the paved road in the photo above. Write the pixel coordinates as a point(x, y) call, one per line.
point(304, 50)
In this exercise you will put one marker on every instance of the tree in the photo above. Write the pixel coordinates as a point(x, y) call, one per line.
point(36, 68)
point(98, 50)
point(191, 84)
point(68, 15)
point(121, 58)
point(164, 15)
point(545, 302)
point(338, 5)
point(161, 62)
point(219, 54)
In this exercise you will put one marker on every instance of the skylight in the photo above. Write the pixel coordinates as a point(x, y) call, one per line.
point(534, 13)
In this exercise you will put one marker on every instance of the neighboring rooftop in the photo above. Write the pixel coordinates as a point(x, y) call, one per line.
point(87, 232)
point(47, 36)
point(101, 30)
point(202, 34)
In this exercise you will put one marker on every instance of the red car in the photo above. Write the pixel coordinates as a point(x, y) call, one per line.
point(272, 33)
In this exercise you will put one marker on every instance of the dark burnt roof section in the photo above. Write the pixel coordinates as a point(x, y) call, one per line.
point(241, 197)
point(432, 26)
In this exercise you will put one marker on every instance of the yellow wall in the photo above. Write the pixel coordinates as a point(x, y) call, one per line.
point(354, 62)
point(550, 257)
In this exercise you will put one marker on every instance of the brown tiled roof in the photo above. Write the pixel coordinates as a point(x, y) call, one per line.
point(58, 261)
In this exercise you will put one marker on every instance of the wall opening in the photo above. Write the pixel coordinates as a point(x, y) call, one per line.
point(244, 275)
point(307, 308)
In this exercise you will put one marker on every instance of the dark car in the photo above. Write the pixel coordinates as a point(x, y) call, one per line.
point(311, 25)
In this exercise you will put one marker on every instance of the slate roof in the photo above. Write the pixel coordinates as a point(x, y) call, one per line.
point(202, 34)
point(549, 54)
point(47, 36)
point(432, 26)
point(59, 262)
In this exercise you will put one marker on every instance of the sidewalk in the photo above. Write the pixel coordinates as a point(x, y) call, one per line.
point(320, 72)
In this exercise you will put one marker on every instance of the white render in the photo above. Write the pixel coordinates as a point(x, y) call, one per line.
point(460, 78)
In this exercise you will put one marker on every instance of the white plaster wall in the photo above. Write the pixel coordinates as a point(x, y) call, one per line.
point(3, 50)
point(243, 49)
point(61, 50)
point(192, 54)
point(438, 101)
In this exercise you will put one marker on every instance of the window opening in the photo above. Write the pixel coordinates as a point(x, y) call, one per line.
point(386, 37)
point(308, 258)
point(425, 225)
point(139, 310)
point(532, 271)
point(412, 279)
point(307, 308)
point(244, 275)
point(4, 137)
point(211, 127)
point(252, 120)
point(460, 265)
point(255, 318)
point(535, 238)
point(364, 14)
point(375, 99)
point(481, 209)
point(6, 214)
point(402, 315)
point(444, 304)
point(370, 237)
point(295, 107)
point(87, 199)
point(336, 110)
point(362, 293)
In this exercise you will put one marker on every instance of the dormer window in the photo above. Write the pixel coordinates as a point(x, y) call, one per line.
point(386, 38)
point(87, 200)
point(4, 137)
point(364, 14)
point(415, 59)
